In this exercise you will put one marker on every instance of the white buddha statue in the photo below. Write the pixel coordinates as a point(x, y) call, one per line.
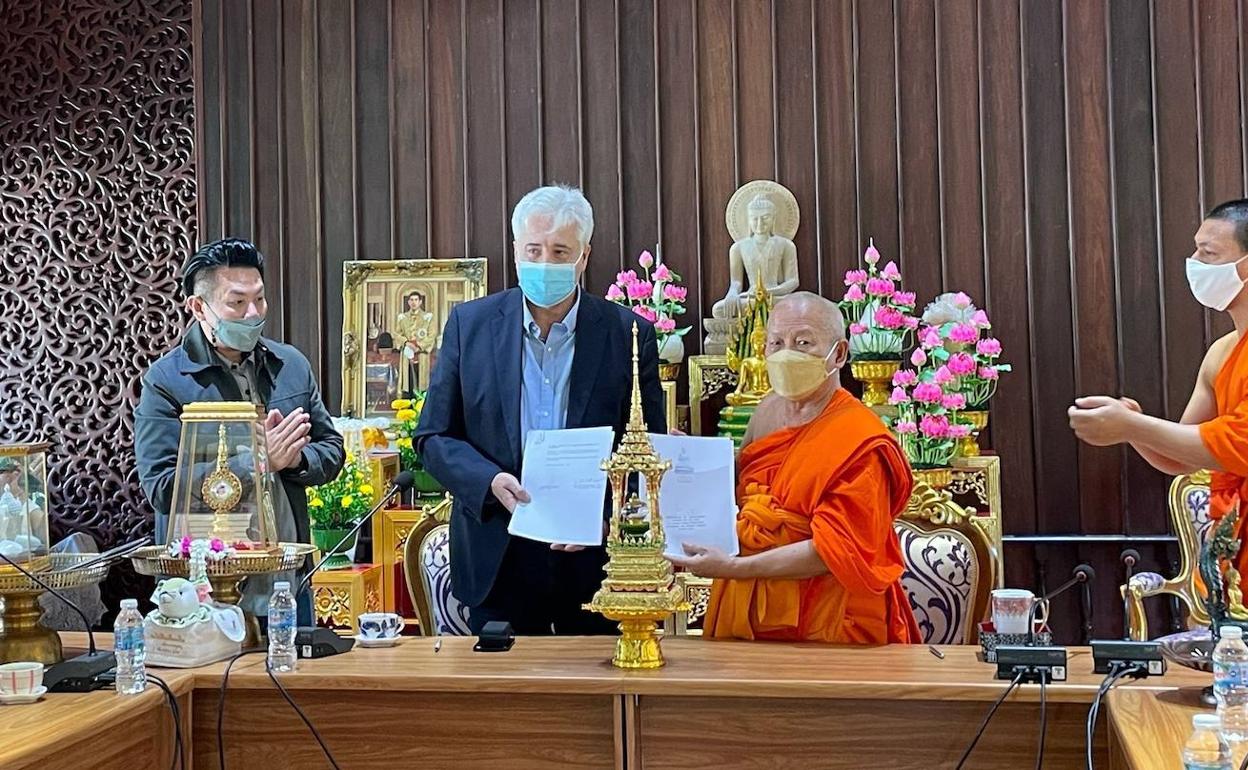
point(762, 256)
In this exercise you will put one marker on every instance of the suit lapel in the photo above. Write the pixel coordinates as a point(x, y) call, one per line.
point(591, 342)
point(506, 331)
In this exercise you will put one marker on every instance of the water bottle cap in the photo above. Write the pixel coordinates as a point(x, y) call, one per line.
point(1232, 632)
point(284, 585)
point(1208, 721)
point(129, 604)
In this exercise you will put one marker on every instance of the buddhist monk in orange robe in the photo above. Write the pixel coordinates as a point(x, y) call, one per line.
point(1212, 434)
point(820, 480)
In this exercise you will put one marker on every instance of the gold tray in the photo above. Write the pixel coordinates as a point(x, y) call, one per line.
point(58, 573)
point(155, 561)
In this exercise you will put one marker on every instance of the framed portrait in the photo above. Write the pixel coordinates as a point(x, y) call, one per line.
point(393, 313)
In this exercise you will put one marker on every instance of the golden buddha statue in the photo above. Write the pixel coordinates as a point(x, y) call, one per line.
point(752, 381)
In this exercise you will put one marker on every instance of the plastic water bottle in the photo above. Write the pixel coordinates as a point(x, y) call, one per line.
point(282, 629)
point(1230, 683)
point(128, 646)
point(1206, 749)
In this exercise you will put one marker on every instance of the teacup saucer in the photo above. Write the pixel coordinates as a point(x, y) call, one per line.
point(17, 700)
point(374, 641)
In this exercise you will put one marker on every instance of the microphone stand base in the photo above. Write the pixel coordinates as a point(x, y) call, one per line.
point(317, 642)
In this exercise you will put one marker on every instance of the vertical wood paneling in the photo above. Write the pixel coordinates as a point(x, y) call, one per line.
point(755, 110)
point(236, 107)
point(1135, 246)
point(601, 138)
point(877, 126)
point(336, 77)
point(561, 92)
point(918, 150)
point(487, 211)
point(961, 200)
point(638, 156)
point(408, 129)
point(1092, 264)
point(522, 81)
point(1005, 238)
point(716, 146)
point(267, 156)
point(836, 135)
point(795, 130)
point(1050, 158)
point(304, 296)
point(677, 72)
point(372, 130)
point(1049, 280)
point(1178, 201)
point(444, 79)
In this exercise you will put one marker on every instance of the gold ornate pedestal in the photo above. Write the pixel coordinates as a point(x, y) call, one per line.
point(876, 378)
point(21, 635)
point(341, 596)
point(969, 446)
point(226, 575)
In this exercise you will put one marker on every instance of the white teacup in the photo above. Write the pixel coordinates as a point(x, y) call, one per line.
point(21, 678)
point(1011, 607)
point(380, 625)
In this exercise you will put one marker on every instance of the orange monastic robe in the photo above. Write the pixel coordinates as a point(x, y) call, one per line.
point(1226, 438)
point(840, 480)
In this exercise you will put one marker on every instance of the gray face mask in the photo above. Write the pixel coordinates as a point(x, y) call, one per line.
point(237, 335)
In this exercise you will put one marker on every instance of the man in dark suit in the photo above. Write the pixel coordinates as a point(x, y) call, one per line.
point(544, 356)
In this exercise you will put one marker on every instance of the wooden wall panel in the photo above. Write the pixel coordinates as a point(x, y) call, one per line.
point(1036, 154)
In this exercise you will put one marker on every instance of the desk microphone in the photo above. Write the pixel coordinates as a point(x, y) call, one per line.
point(83, 673)
point(1080, 575)
point(316, 642)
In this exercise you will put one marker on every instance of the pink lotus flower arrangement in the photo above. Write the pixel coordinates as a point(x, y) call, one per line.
point(958, 338)
point(658, 297)
point(927, 424)
point(877, 312)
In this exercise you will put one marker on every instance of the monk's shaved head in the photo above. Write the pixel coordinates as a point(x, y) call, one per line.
point(819, 312)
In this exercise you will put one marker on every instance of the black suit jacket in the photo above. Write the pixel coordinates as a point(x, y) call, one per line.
point(470, 425)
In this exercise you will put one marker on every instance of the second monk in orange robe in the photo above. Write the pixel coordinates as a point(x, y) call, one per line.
point(1213, 431)
point(820, 481)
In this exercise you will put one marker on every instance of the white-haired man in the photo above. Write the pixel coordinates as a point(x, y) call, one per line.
point(544, 356)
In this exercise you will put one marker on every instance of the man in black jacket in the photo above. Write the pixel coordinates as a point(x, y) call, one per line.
point(545, 356)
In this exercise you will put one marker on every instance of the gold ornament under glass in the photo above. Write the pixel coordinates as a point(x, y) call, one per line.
point(640, 589)
point(222, 489)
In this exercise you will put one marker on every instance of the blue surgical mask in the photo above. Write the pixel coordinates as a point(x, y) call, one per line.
point(237, 335)
point(546, 284)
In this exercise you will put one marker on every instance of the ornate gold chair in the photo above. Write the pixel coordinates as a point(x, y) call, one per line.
point(697, 592)
point(950, 568)
point(1189, 518)
point(427, 569)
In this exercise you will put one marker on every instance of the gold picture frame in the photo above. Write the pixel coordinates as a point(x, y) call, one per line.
point(393, 313)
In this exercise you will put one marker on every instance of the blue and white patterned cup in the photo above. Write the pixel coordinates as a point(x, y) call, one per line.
point(380, 625)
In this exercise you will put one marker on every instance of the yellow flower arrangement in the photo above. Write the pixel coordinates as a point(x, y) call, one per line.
point(406, 418)
point(340, 503)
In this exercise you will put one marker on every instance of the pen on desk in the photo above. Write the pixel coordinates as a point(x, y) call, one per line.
point(935, 652)
point(437, 646)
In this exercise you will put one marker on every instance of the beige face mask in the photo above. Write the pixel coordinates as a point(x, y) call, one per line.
point(795, 375)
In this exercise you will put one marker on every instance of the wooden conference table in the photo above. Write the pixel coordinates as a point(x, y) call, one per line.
point(557, 702)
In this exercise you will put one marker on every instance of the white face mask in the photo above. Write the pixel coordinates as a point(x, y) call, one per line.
point(1214, 286)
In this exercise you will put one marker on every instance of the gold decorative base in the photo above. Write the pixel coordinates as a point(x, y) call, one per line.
point(876, 378)
point(23, 639)
point(969, 446)
point(668, 372)
point(638, 645)
point(936, 478)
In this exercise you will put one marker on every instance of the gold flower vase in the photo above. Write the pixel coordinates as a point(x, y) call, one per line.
point(968, 446)
point(876, 378)
point(669, 372)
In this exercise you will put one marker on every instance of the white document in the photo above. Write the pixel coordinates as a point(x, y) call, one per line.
point(697, 500)
point(563, 475)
